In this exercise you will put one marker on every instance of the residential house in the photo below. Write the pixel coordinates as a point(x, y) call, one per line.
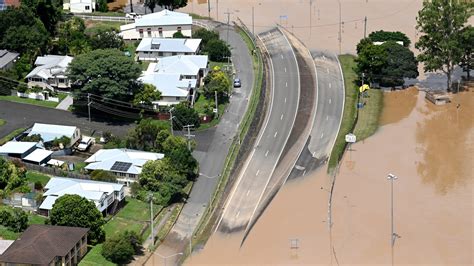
point(47, 245)
point(50, 132)
point(79, 6)
point(126, 164)
point(50, 72)
point(151, 49)
point(7, 58)
point(18, 149)
point(176, 77)
point(160, 24)
point(106, 196)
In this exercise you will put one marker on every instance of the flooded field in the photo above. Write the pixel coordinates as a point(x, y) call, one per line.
point(430, 148)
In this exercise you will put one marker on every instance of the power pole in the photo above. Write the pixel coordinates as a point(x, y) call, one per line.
point(365, 27)
point(228, 63)
point(253, 21)
point(189, 136)
point(217, 9)
point(171, 120)
point(310, 18)
point(209, 9)
point(340, 26)
point(217, 106)
point(89, 106)
point(393, 235)
point(228, 24)
point(150, 196)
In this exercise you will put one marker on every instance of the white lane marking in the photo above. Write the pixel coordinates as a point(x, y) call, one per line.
point(322, 134)
point(248, 192)
point(281, 117)
point(327, 117)
point(285, 69)
point(286, 84)
point(285, 99)
point(237, 215)
point(329, 85)
point(258, 172)
point(281, 56)
point(266, 154)
point(329, 101)
point(276, 133)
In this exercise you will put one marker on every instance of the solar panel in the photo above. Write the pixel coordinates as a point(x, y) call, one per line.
point(121, 166)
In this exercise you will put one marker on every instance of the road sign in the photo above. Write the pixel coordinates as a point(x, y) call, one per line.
point(214, 110)
point(351, 138)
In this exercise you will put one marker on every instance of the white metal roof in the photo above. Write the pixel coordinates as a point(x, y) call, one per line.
point(55, 162)
point(16, 147)
point(89, 189)
point(163, 18)
point(38, 155)
point(170, 85)
point(104, 159)
point(169, 45)
point(49, 132)
point(182, 64)
point(49, 66)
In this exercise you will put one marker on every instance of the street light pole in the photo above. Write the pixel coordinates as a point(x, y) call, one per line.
point(340, 26)
point(393, 235)
point(171, 120)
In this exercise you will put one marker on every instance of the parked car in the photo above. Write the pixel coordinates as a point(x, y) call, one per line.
point(85, 143)
point(237, 83)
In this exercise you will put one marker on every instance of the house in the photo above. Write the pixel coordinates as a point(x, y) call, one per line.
point(176, 77)
point(151, 49)
point(50, 132)
point(160, 24)
point(106, 196)
point(17, 149)
point(38, 156)
point(47, 245)
point(79, 6)
point(50, 72)
point(126, 164)
point(7, 59)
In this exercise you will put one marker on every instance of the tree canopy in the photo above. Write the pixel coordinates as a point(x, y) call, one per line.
point(385, 36)
point(205, 35)
point(441, 22)
point(185, 115)
point(121, 248)
point(217, 81)
point(76, 211)
point(106, 72)
point(467, 44)
point(146, 135)
point(172, 4)
point(147, 95)
point(218, 50)
point(11, 176)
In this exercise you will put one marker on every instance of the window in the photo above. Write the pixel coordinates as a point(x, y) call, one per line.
point(122, 174)
point(173, 53)
point(61, 80)
point(87, 7)
point(160, 53)
point(179, 29)
point(160, 31)
point(141, 32)
point(132, 175)
point(148, 32)
point(178, 98)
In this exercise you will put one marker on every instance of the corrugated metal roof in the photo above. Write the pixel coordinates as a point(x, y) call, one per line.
point(163, 18)
point(104, 159)
point(169, 45)
point(16, 147)
point(38, 155)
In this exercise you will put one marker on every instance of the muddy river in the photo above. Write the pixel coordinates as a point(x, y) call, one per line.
point(430, 149)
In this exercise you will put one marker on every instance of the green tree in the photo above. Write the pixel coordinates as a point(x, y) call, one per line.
point(108, 73)
point(26, 38)
point(121, 248)
point(106, 38)
point(71, 37)
point(370, 61)
point(205, 36)
point(217, 81)
point(144, 135)
point(76, 211)
point(467, 44)
point(400, 63)
point(33, 138)
point(217, 50)
point(385, 36)
point(18, 221)
point(185, 115)
point(101, 6)
point(11, 176)
point(104, 176)
point(147, 95)
point(151, 4)
point(178, 35)
point(48, 11)
point(441, 22)
point(172, 4)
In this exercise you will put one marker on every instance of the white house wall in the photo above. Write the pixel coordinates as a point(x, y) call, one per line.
point(167, 32)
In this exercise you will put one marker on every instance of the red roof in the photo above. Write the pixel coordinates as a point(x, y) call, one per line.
point(15, 3)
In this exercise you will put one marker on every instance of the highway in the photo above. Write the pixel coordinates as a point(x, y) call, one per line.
point(251, 182)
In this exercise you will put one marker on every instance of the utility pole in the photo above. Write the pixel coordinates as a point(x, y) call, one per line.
point(340, 26)
point(89, 106)
point(171, 120)
point(217, 9)
point(150, 197)
point(365, 27)
point(310, 18)
point(209, 9)
point(189, 136)
point(217, 106)
point(228, 63)
point(253, 21)
point(228, 24)
point(393, 235)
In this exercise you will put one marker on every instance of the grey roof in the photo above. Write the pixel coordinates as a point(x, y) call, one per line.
point(16, 147)
point(105, 159)
point(49, 132)
point(49, 66)
point(170, 85)
point(163, 18)
point(182, 64)
point(6, 57)
point(38, 155)
point(169, 45)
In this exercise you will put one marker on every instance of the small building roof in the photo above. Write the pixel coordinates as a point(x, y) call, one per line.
point(38, 155)
point(169, 45)
point(4, 244)
point(16, 147)
point(164, 18)
point(49, 132)
point(49, 66)
point(121, 160)
point(89, 189)
point(40, 244)
point(6, 57)
point(55, 162)
point(182, 64)
point(170, 85)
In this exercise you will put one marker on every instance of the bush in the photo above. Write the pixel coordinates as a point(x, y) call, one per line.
point(185, 116)
point(121, 248)
point(217, 50)
point(101, 175)
point(178, 35)
point(205, 36)
point(38, 185)
point(15, 219)
point(33, 138)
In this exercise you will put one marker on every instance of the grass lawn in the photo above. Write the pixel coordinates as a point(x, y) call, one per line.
point(79, 166)
point(11, 135)
point(29, 101)
point(92, 25)
point(349, 115)
point(196, 16)
point(94, 257)
point(105, 14)
point(368, 120)
point(144, 65)
point(33, 177)
point(62, 96)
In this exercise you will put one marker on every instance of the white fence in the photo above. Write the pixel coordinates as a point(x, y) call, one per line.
point(105, 18)
point(37, 96)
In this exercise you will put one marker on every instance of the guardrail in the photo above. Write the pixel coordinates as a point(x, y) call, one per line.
point(105, 18)
point(201, 24)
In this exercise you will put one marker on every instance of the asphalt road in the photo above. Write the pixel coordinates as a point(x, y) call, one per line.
point(213, 146)
point(258, 169)
point(20, 115)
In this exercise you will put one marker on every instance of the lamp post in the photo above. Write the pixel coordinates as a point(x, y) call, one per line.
point(167, 257)
point(393, 235)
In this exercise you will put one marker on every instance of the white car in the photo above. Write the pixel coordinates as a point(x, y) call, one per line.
point(85, 143)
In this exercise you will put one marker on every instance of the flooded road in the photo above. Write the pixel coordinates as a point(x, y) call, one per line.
point(430, 148)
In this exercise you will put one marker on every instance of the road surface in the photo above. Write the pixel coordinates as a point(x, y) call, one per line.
point(258, 169)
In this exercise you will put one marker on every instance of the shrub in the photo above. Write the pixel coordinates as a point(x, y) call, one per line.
point(38, 185)
point(121, 248)
point(101, 175)
point(217, 50)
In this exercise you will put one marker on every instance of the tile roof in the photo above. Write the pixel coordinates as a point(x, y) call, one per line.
point(40, 244)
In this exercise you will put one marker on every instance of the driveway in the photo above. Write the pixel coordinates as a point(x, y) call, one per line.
point(20, 115)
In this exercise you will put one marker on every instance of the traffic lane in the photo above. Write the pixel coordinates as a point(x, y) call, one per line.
point(266, 154)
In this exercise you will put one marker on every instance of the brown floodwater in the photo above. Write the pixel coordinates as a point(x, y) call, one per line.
point(430, 149)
